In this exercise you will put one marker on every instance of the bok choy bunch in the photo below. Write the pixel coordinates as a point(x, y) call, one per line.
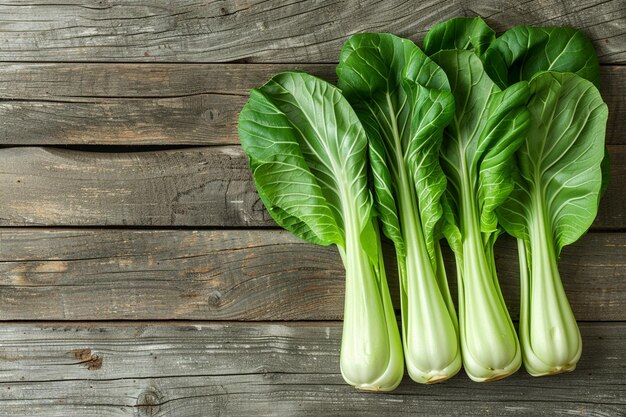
point(404, 101)
point(308, 155)
point(473, 137)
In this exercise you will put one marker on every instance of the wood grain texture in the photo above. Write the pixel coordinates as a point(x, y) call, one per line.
point(203, 186)
point(201, 369)
point(164, 104)
point(267, 31)
point(241, 275)
point(197, 187)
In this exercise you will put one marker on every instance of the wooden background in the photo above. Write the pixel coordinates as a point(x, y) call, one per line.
point(139, 272)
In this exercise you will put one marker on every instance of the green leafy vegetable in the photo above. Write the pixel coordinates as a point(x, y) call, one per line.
point(563, 171)
point(308, 155)
point(477, 153)
point(403, 100)
point(488, 134)
point(554, 203)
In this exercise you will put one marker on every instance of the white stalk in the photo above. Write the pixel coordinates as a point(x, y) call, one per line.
point(490, 346)
point(429, 327)
point(371, 350)
point(551, 341)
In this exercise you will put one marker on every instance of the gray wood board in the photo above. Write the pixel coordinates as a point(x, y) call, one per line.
point(164, 104)
point(200, 369)
point(267, 31)
point(199, 187)
point(99, 274)
point(202, 186)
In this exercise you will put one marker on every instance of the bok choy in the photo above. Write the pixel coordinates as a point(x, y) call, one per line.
point(559, 182)
point(477, 152)
point(554, 203)
point(308, 155)
point(403, 100)
point(475, 136)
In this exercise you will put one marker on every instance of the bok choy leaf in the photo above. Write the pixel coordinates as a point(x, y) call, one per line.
point(523, 51)
point(554, 203)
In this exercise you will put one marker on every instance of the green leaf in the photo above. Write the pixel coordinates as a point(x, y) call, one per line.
point(523, 51)
point(555, 201)
point(487, 129)
point(510, 213)
point(451, 224)
point(307, 152)
point(432, 111)
point(502, 135)
point(469, 33)
point(561, 157)
point(400, 96)
point(386, 207)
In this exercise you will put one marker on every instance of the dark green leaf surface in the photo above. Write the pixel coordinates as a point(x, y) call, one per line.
point(487, 129)
point(560, 160)
point(307, 152)
point(403, 100)
point(461, 33)
point(523, 51)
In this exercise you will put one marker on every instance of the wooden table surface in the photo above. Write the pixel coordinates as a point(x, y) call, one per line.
point(139, 272)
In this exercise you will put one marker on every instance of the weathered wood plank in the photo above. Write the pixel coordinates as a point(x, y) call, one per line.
point(612, 210)
point(163, 104)
point(203, 186)
point(129, 104)
point(241, 275)
point(177, 274)
point(197, 119)
point(185, 187)
point(82, 82)
point(261, 31)
point(204, 369)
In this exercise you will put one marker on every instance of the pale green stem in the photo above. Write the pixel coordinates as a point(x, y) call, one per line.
point(431, 346)
point(489, 343)
point(551, 341)
point(444, 288)
point(371, 349)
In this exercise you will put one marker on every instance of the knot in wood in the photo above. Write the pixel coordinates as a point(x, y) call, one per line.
point(149, 402)
point(267, 373)
point(90, 360)
point(215, 299)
